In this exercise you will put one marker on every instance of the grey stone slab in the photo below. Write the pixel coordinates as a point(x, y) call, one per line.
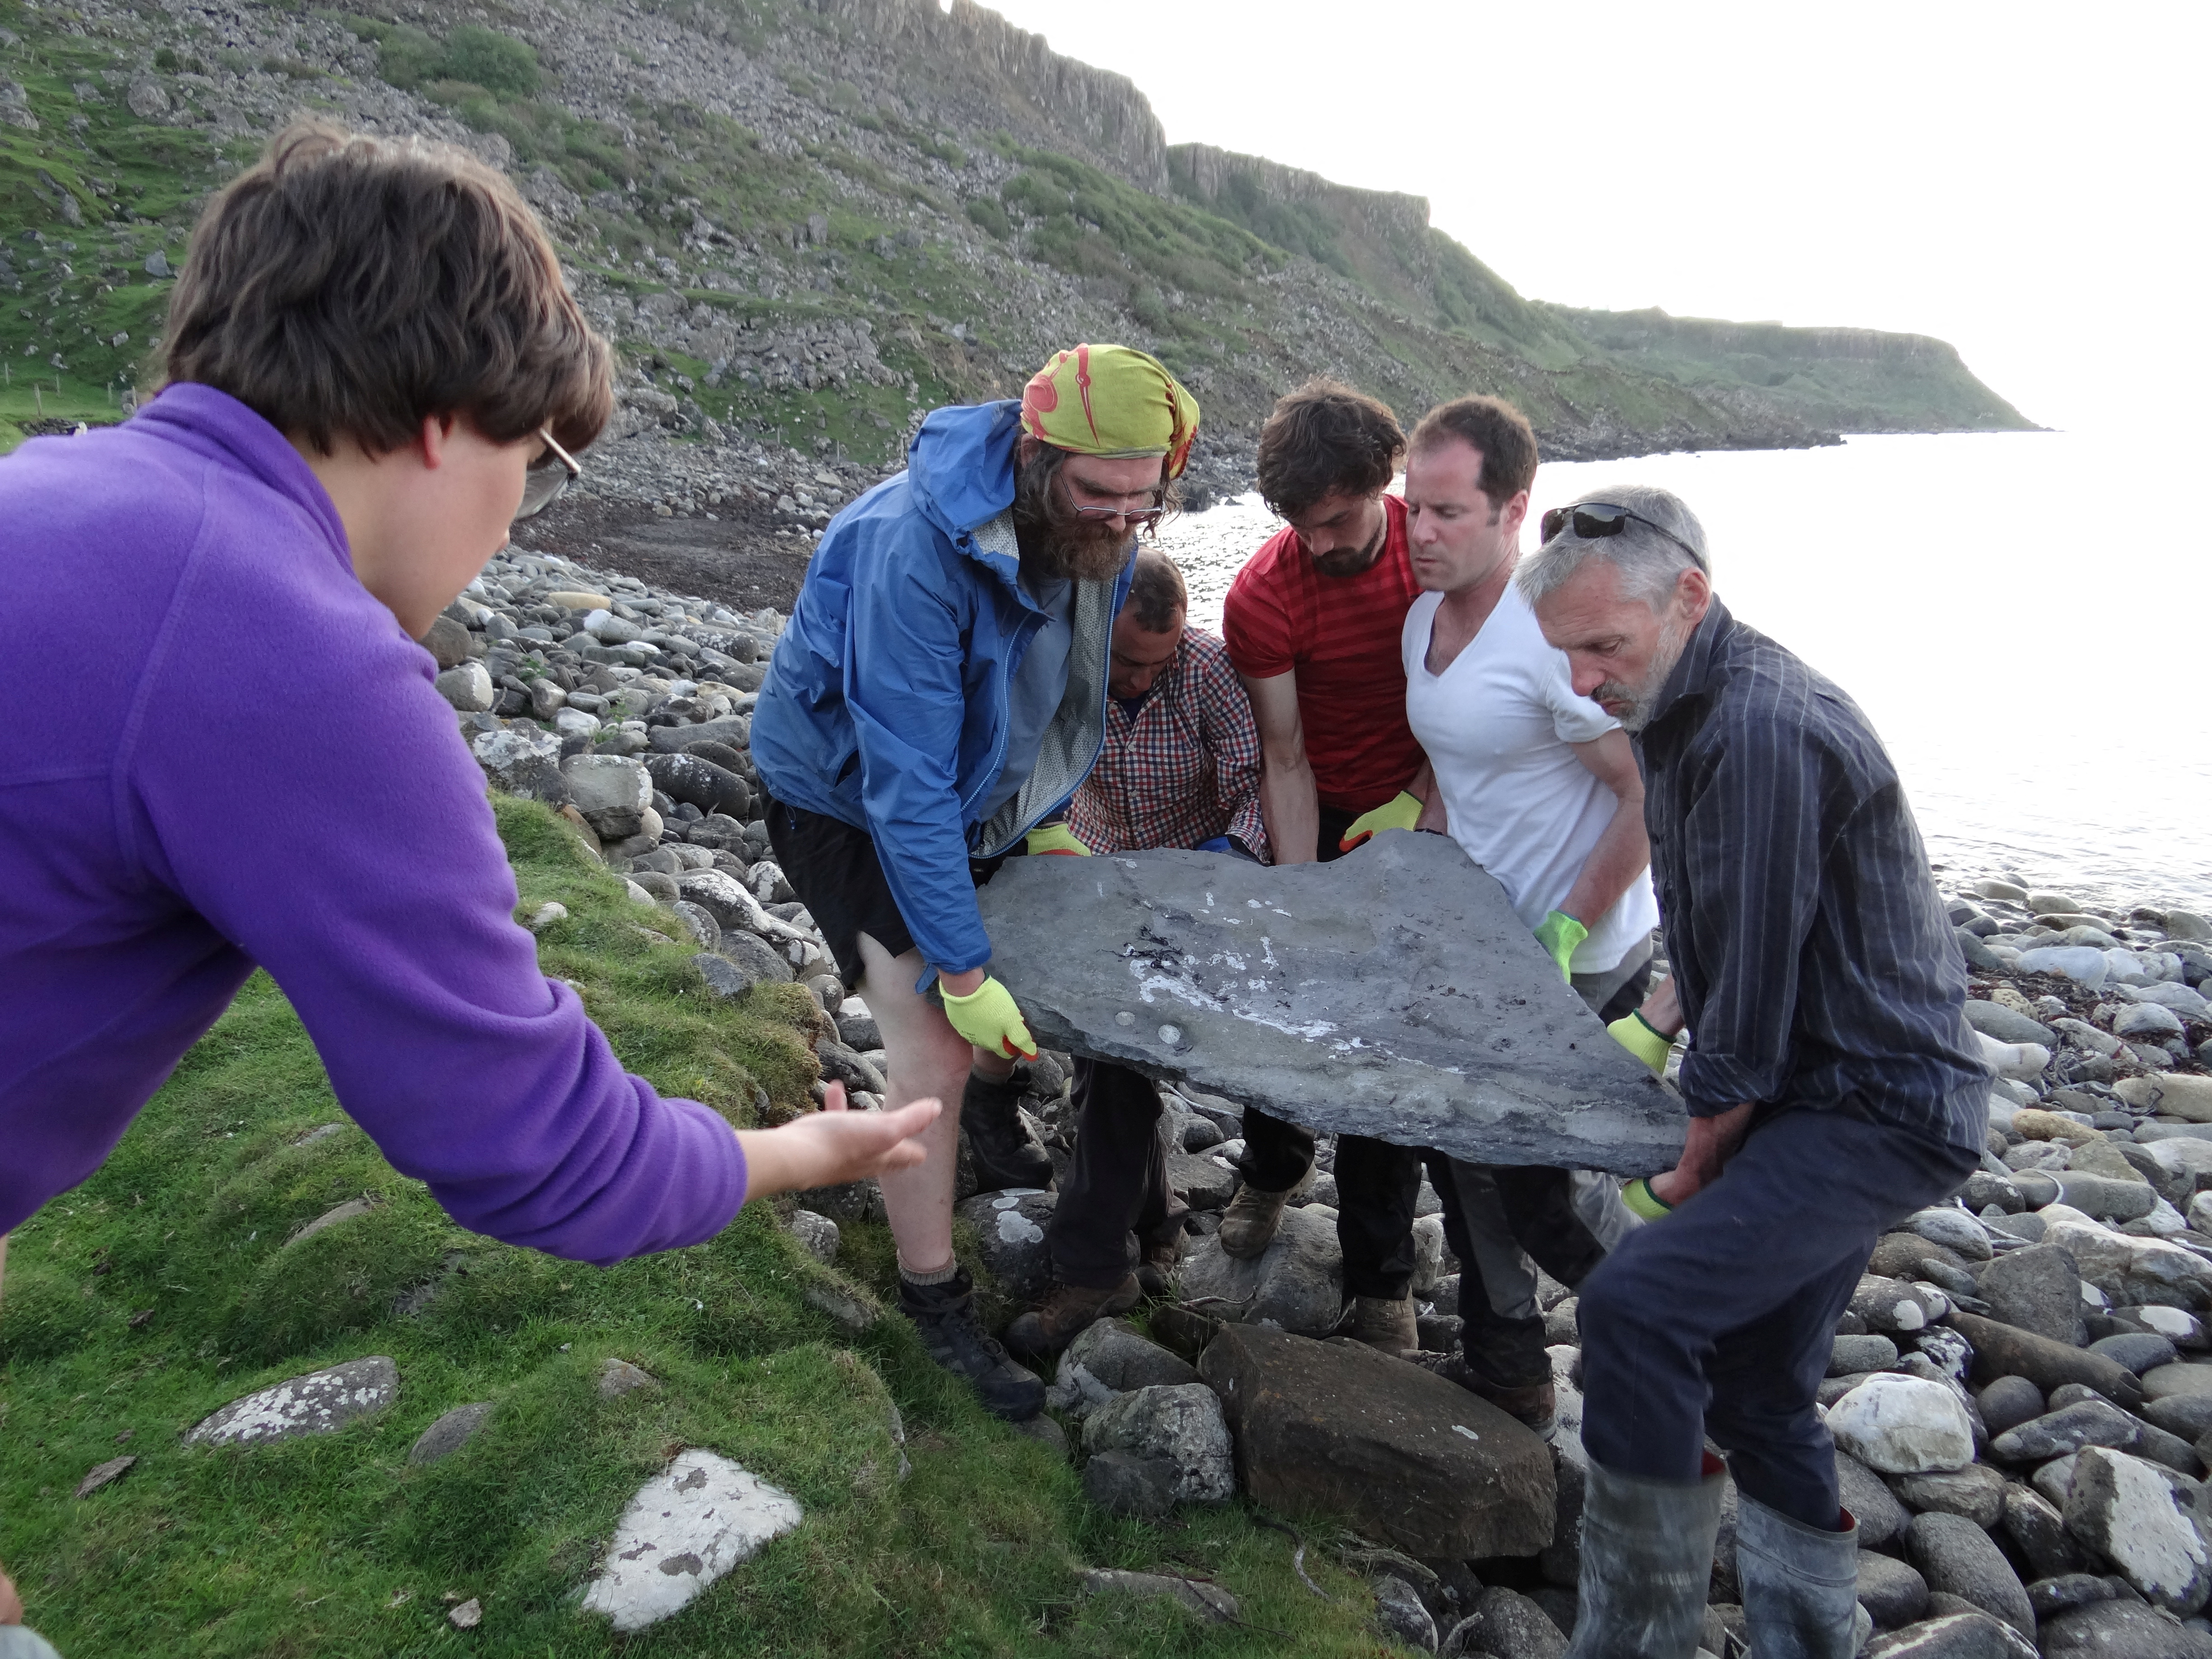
point(317, 1403)
point(1391, 994)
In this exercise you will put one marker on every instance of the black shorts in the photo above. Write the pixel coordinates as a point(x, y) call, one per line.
point(833, 868)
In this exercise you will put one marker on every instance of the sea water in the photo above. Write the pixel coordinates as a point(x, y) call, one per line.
point(2025, 617)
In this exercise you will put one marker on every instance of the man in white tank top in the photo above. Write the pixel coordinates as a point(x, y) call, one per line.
point(1540, 787)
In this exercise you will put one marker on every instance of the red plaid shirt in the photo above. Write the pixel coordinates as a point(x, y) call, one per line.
point(1185, 769)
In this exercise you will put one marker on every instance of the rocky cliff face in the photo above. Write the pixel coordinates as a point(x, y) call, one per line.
point(810, 220)
point(1092, 113)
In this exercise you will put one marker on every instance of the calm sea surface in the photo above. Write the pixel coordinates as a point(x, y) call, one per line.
point(2027, 621)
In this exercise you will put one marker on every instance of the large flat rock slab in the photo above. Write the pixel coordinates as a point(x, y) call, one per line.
point(1392, 992)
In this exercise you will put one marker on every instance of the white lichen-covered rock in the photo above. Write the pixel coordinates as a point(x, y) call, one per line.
point(314, 1404)
point(514, 754)
point(1903, 1426)
point(686, 1528)
point(2137, 1516)
point(1179, 1425)
point(2128, 1270)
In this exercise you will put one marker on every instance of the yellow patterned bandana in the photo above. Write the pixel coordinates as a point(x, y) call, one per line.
point(1110, 401)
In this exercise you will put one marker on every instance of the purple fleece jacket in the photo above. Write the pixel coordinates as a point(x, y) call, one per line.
point(230, 756)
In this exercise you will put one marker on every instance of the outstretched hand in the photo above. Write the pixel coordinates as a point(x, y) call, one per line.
point(833, 1146)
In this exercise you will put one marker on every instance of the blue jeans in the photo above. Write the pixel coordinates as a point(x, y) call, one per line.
point(1718, 1319)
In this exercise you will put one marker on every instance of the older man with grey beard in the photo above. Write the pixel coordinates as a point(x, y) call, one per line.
point(1833, 1083)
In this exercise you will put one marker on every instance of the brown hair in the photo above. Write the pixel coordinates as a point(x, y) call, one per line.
point(1495, 430)
point(1325, 440)
point(346, 286)
point(1158, 597)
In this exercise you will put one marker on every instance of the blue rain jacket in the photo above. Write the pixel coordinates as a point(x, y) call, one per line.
point(885, 704)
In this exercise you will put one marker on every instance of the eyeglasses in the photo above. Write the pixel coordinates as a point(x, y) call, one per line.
point(1592, 520)
point(1139, 518)
point(546, 483)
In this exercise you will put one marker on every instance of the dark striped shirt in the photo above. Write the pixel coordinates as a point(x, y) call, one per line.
point(1815, 965)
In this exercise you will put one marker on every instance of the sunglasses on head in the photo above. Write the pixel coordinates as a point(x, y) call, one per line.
point(549, 476)
point(1591, 519)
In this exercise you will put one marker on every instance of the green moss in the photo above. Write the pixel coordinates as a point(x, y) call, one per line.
point(336, 1546)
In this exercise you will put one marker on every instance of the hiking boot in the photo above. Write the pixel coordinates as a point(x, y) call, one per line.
point(945, 1315)
point(1248, 1225)
point(1534, 1404)
point(1156, 1271)
point(1006, 1154)
point(1067, 1308)
point(1383, 1323)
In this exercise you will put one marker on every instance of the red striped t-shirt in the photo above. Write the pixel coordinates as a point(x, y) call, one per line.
point(1340, 635)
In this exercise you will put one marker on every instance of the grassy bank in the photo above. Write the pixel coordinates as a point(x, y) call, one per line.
point(164, 1287)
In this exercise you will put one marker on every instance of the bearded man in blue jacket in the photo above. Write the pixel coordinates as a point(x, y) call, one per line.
point(938, 696)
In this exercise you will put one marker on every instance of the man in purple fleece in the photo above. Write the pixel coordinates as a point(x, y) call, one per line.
point(368, 346)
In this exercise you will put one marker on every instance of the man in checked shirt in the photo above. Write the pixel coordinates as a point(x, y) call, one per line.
point(1833, 1086)
point(1181, 768)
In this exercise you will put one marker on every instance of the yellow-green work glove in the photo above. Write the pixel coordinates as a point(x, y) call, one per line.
point(1054, 838)
point(1560, 933)
point(1399, 814)
point(987, 1017)
point(1635, 1034)
point(1639, 1197)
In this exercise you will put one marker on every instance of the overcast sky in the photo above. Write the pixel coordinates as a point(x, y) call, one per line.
point(2026, 181)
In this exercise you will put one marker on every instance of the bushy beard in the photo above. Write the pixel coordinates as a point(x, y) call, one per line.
point(1083, 551)
point(1352, 562)
point(1059, 544)
point(1642, 697)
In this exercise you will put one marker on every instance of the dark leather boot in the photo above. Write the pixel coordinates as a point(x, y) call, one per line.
point(1067, 1310)
point(1004, 1153)
point(945, 1315)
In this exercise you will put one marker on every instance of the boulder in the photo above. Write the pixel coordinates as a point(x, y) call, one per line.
point(2038, 1289)
point(1179, 1425)
point(2141, 1518)
point(1893, 1594)
point(684, 1530)
point(1976, 1492)
point(1891, 1305)
point(1881, 1518)
point(1953, 1635)
point(1009, 1230)
point(468, 688)
point(1958, 1558)
point(523, 760)
point(1903, 1426)
point(2038, 1531)
point(448, 642)
point(1297, 1283)
point(2086, 1423)
point(2130, 1270)
point(612, 792)
point(1999, 1350)
point(316, 1403)
point(2009, 1402)
point(2121, 1629)
point(1403, 1456)
point(733, 731)
point(1391, 994)
point(2177, 1094)
point(755, 958)
point(1121, 1359)
point(1400, 1617)
point(705, 785)
point(1953, 1229)
point(1511, 1627)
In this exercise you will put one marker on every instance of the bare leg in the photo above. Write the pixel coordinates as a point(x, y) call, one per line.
point(924, 1057)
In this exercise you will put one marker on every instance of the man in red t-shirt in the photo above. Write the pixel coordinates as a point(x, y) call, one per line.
point(1313, 625)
